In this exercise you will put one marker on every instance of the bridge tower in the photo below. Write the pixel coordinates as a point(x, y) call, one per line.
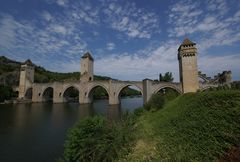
point(188, 70)
point(86, 68)
point(26, 78)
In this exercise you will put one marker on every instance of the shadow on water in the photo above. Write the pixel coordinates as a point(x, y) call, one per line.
point(36, 132)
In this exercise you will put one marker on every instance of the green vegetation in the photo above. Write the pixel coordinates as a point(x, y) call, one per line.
point(6, 93)
point(130, 92)
point(157, 101)
point(7, 65)
point(95, 139)
point(167, 77)
point(9, 74)
point(192, 127)
point(235, 85)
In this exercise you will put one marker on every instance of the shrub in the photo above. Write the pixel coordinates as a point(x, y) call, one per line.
point(95, 139)
point(155, 102)
point(158, 100)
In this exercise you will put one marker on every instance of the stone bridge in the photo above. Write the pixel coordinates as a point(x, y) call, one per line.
point(57, 90)
point(189, 81)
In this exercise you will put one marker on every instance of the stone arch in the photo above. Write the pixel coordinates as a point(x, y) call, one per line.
point(69, 86)
point(117, 96)
point(47, 94)
point(91, 90)
point(28, 93)
point(168, 86)
point(66, 96)
point(125, 86)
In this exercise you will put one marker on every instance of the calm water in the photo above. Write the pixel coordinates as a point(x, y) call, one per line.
point(36, 132)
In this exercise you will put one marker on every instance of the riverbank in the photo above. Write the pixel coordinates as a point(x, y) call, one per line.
point(201, 126)
point(193, 127)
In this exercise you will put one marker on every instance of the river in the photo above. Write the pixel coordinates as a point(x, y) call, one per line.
point(36, 131)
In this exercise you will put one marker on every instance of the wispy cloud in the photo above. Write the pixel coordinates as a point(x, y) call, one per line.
point(24, 39)
point(213, 22)
point(62, 2)
point(132, 21)
point(110, 46)
point(57, 37)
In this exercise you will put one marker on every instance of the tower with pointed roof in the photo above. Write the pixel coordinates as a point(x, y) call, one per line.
point(86, 67)
point(26, 78)
point(188, 70)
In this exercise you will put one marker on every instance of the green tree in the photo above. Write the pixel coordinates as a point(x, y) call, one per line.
point(167, 77)
point(6, 93)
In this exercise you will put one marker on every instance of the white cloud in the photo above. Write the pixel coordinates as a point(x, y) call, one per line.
point(216, 64)
point(110, 46)
point(213, 22)
point(81, 10)
point(47, 16)
point(135, 66)
point(62, 2)
point(132, 21)
point(7, 28)
point(59, 29)
point(23, 39)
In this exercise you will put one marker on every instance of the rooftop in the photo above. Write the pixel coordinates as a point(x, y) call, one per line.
point(187, 42)
point(88, 55)
point(28, 62)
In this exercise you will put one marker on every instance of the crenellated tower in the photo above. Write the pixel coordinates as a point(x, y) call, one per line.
point(86, 68)
point(188, 70)
point(26, 78)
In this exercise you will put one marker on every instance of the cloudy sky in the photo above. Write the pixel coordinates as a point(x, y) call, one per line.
point(129, 39)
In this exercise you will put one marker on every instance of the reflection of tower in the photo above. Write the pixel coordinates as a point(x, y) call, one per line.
point(86, 70)
point(26, 78)
point(187, 57)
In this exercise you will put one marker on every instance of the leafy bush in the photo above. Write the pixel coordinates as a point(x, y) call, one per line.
point(94, 139)
point(158, 100)
point(155, 102)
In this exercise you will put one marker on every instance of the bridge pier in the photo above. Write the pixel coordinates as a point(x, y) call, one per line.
point(147, 92)
point(57, 93)
point(36, 94)
point(83, 94)
point(113, 100)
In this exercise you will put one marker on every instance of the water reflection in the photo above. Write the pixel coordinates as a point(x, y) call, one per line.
point(30, 132)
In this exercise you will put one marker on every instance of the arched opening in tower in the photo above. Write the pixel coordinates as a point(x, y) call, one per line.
point(48, 95)
point(71, 94)
point(28, 94)
point(130, 97)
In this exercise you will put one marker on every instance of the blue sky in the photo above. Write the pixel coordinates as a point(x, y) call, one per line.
point(130, 40)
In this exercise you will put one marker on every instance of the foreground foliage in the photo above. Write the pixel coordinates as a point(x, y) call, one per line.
point(158, 100)
point(193, 127)
point(95, 139)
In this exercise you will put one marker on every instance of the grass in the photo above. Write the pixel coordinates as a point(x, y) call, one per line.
point(193, 127)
